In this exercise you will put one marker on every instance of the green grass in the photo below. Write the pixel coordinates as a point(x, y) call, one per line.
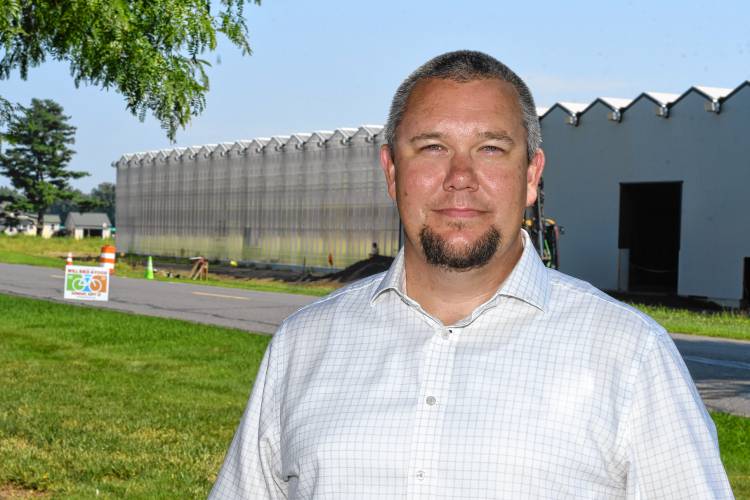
point(52, 252)
point(712, 324)
point(133, 406)
point(128, 405)
point(35, 251)
point(316, 290)
point(734, 441)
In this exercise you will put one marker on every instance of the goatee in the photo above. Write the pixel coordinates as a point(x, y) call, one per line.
point(439, 253)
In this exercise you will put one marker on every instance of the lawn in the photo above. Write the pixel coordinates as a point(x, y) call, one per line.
point(133, 406)
point(123, 405)
point(47, 252)
point(725, 324)
point(734, 441)
point(52, 252)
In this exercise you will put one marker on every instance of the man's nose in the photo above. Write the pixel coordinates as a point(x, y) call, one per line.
point(461, 173)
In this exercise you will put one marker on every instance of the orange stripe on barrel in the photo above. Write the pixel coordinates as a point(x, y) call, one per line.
point(107, 258)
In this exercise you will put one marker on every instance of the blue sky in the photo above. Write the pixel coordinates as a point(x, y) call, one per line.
point(328, 64)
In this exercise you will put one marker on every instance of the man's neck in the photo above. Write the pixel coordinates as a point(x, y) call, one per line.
point(452, 295)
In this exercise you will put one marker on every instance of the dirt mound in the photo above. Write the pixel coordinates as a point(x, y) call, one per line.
point(361, 269)
point(358, 270)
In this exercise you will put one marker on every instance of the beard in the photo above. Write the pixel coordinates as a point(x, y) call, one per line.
point(471, 256)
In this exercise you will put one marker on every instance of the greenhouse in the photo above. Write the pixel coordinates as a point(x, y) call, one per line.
point(313, 200)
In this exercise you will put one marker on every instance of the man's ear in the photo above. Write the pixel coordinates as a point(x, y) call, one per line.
point(533, 174)
point(389, 169)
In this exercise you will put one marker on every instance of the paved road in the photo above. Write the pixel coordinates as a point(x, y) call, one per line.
point(232, 307)
point(721, 368)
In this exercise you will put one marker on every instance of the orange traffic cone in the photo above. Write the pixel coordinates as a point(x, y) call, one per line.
point(69, 260)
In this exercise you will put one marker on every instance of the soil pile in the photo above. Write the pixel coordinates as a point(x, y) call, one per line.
point(361, 269)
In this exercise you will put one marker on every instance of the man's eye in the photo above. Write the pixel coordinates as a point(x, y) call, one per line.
point(492, 149)
point(433, 148)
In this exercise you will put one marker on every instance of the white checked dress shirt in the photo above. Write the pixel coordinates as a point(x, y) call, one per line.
point(550, 389)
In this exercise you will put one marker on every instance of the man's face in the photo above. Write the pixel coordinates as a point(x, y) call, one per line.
point(459, 173)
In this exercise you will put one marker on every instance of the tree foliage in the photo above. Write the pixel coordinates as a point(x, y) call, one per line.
point(73, 204)
point(148, 50)
point(8, 194)
point(102, 198)
point(37, 155)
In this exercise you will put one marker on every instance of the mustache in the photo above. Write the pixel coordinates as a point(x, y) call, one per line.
point(479, 207)
point(460, 202)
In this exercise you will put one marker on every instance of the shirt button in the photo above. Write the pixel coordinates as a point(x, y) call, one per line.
point(430, 400)
point(446, 334)
point(420, 475)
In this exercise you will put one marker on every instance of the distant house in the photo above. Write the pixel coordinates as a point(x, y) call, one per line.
point(26, 224)
point(91, 224)
point(14, 222)
point(51, 225)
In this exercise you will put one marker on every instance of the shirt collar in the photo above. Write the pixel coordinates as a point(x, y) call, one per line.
point(528, 281)
point(393, 279)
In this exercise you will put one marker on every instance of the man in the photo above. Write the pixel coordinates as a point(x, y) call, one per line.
point(469, 370)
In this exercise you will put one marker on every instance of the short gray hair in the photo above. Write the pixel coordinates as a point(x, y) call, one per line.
point(465, 66)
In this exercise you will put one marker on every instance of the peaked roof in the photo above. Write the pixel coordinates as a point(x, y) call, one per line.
point(341, 136)
point(320, 138)
point(297, 141)
point(572, 107)
point(87, 220)
point(276, 143)
point(715, 93)
point(616, 103)
point(661, 98)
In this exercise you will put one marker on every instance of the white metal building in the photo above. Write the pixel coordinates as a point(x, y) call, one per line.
point(654, 192)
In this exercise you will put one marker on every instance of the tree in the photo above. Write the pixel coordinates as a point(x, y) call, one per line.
point(37, 155)
point(8, 194)
point(148, 50)
point(102, 198)
point(63, 207)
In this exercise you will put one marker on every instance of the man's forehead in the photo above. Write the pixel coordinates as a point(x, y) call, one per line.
point(447, 85)
point(446, 100)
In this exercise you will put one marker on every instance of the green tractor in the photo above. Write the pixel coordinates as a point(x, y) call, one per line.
point(544, 232)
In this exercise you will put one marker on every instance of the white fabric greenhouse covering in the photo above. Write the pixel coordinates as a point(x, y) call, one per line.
point(289, 200)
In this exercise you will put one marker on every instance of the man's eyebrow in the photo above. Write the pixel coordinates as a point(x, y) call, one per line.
point(426, 136)
point(498, 136)
point(495, 135)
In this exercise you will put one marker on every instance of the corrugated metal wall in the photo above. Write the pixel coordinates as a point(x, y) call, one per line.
point(287, 200)
point(698, 139)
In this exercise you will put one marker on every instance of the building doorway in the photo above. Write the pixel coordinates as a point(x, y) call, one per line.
point(650, 234)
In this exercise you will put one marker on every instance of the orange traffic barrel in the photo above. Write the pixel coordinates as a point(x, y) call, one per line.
point(107, 258)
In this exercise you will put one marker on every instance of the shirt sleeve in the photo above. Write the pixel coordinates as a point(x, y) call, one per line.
point(252, 466)
point(673, 452)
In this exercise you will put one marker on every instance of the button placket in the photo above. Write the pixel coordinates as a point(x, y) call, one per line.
point(436, 370)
